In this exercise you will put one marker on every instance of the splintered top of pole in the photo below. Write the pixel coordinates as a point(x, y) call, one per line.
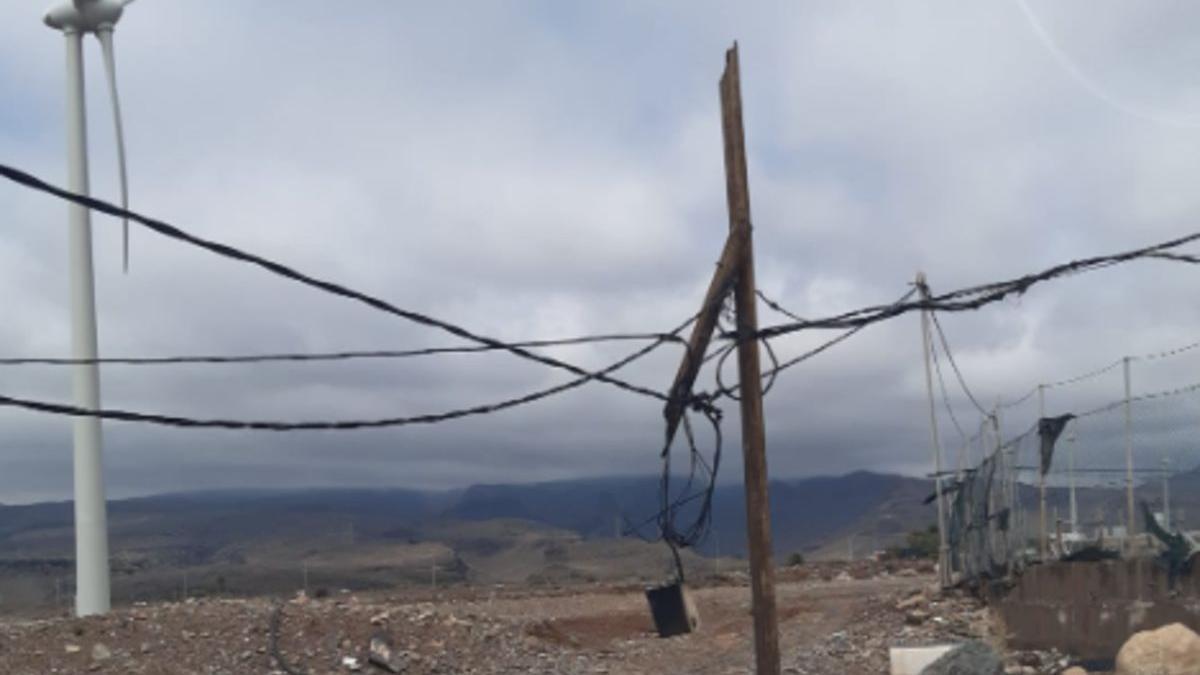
point(727, 267)
point(733, 132)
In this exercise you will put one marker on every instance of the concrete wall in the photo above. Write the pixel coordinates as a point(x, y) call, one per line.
point(1089, 609)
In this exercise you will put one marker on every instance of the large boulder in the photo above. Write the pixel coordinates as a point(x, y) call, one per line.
point(1169, 650)
point(969, 658)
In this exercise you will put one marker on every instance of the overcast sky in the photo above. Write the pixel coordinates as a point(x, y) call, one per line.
point(548, 169)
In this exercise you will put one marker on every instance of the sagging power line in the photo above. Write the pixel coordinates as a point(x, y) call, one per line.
point(333, 356)
point(976, 297)
point(334, 425)
point(279, 269)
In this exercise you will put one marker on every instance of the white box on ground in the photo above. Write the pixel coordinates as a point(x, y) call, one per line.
point(912, 660)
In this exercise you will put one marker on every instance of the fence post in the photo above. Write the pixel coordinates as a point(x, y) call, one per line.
point(926, 345)
point(1002, 470)
point(1166, 489)
point(1129, 510)
point(1043, 542)
point(1074, 504)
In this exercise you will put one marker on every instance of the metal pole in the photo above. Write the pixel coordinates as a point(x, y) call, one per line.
point(1043, 543)
point(1005, 482)
point(1009, 479)
point(716, 553)
point(926, 345)
point(1129, 512)
point(1166, 462)
point(92, 593)
point(1074, 504)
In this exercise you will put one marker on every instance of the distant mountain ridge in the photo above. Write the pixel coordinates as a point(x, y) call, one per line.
point(806, 512)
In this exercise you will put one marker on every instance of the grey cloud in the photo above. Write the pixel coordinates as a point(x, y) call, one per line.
point(544, 169)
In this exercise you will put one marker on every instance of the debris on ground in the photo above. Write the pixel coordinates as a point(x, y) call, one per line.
point(969, 658)
point(826, 627)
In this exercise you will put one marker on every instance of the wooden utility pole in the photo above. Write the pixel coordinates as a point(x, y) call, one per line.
point(735, 270)
point(723, 280)
point(939, 498)
point(754, 456)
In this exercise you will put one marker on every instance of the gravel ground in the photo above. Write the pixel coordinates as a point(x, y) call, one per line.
point(842, 626)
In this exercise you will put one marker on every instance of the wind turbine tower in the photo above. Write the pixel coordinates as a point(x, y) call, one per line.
point(76, 19)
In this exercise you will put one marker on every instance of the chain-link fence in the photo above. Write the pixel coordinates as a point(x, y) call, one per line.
point(1091, 466)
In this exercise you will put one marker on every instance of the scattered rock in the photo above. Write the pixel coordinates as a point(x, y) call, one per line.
point(969, 658)
point(385, 655)
point(911, 602)
point(100, 652)
point(604, 629)
point(916, 617)
point(1171, 650)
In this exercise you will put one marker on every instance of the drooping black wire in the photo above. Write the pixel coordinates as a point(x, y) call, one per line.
point(960, 300)
point(279, 269)
point(1121, 470)
point(962, 382)
point(774, 371)
point(769, 376)
point(975, 297)
point(333, 356)
point(1014, 403)
point(776, 306)
point(334, 425)
point(937, 367)
point(837, 340)
point(668, 531)
point(675, 537)
point(1097, 372)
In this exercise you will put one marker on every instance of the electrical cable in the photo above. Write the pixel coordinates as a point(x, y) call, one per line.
point(801, 358)
point(331, 425)
point(279, 269)
point(331, 356)
point(976, 297)
point(937, 367)
point(776, 306)
point(962, 382)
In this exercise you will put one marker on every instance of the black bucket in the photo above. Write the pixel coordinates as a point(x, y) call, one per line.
point(672, 609)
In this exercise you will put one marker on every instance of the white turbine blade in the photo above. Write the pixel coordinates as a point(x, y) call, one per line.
point(110, 69)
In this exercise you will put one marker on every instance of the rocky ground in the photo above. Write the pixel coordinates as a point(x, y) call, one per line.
point(830, 623)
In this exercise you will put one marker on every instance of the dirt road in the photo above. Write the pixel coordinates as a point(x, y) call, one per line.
point(826, 627)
